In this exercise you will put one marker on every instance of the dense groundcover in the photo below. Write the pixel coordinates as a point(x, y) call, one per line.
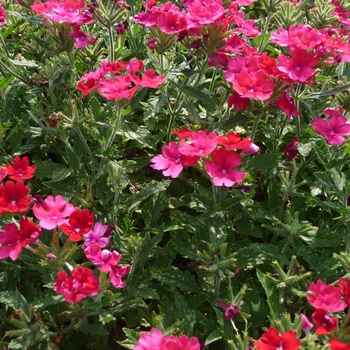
point(175, 175)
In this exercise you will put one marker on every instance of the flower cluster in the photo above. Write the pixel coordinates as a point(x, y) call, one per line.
point(118, 80)
point(72, 13)
point(335, 128)
point(53, 212)
point(203, 23)
point(157, 341)
point(220, 155)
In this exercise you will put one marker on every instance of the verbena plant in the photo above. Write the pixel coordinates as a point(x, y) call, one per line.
point(174, 175)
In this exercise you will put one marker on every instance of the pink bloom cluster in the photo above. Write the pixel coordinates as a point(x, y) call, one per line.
point(220, 154)
point(78, 225)
point(55, 212)
point(73, 13)
point(335, 128)
point(157, 341)
point(118, 80)
point(325, 299)
point(195, 17)
point(262, 77)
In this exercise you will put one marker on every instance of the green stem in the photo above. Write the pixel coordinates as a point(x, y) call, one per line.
point(217, 282)
point(280, 214)
point(81, 136)
point(111, 42)
point(264, 32)
point(255, 126)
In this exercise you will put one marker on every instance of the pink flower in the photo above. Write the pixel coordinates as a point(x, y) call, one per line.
point(326, 297)
point(2, 16)
point(172, 160)
point(253, 85)
point(231, 310)
point(203, 12)
point(157, 341)
point(8, 240)
point(300, 66)
point(306, 325)
point(99, 234)
point(221, 165)
point(286, 103)
point(333, 130)
point(201, 144)
point(52, 212)
point(116, 273)
point(172, 22)
point(3, 174)
point(152, 341)
point(81, 39)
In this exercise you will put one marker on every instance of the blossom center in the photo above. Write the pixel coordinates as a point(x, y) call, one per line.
point(13, 202)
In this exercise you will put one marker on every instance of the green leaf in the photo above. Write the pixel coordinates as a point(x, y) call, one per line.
point(93, 329)
point(264, 162)
point(272, 293)
point(176, 278)
point(329, 92)
point(150, 189)
point(212, 337)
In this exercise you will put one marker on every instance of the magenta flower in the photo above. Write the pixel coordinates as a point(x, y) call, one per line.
point(325, 297)
point(157, 341)
point(172, 160)
point(333, 130)
point(100, 235)
point(201, 144)
point(52, 212)
point(221, 165)
point(300, 67)
point(8, 240)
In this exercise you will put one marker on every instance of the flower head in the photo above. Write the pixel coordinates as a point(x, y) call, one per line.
point(272, 340)
point(79, 223)
point(20, 169)
point(326, 297)
point(324, 323)
point(13, 197)
point(220, 168)
point(78, 285)
point(52, 212)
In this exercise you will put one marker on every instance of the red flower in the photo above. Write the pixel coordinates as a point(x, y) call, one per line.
point(325, 297)
point(80, 284)
point(79, 223)
point(13, 197)
point(272, 340)
point(336, 344)
point(28, 233)
point(20, 169)
point(3, 174)
point(344, 286)
point(291, 149)
point(324, 323)
point(234, 141)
